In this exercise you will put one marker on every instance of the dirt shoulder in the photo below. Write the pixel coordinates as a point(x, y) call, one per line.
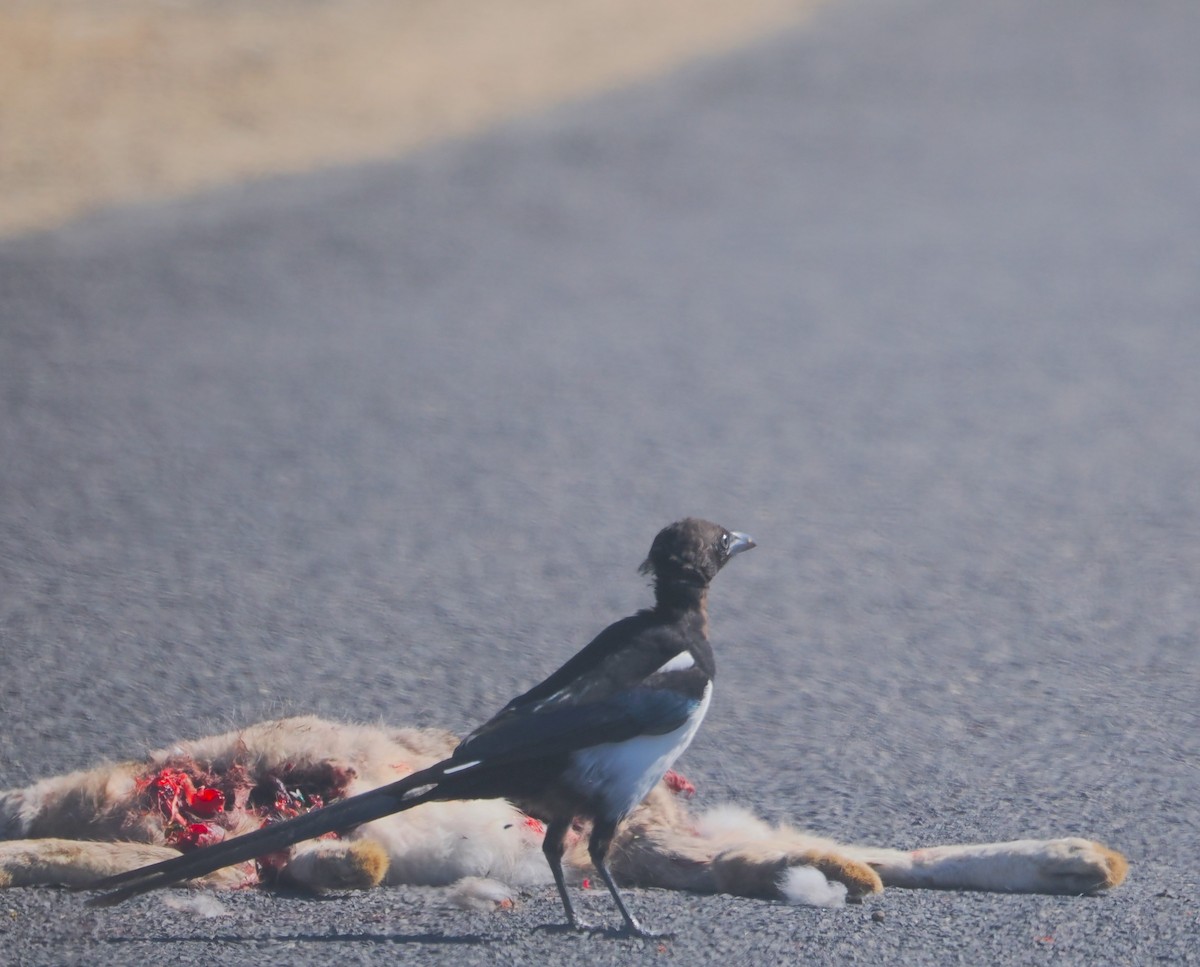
point(135, 99)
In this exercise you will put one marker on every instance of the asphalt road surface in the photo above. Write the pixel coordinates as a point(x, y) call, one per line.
point(912, 295)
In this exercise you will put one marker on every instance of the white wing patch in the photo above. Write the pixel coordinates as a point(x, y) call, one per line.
point(681, 662)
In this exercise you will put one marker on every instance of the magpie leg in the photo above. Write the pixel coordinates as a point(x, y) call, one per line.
point(598, 845)
point(553, 846)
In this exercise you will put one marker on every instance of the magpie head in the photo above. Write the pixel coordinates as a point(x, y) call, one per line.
point(690, 552)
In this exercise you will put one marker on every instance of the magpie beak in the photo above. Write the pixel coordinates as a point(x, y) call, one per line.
point(740, 542)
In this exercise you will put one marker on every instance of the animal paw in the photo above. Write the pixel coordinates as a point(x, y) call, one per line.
point(858, 878)
point(338, 865)
point(761, 870)
point(1076, 866)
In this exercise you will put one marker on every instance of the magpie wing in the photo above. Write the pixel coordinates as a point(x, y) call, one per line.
point(558, 730)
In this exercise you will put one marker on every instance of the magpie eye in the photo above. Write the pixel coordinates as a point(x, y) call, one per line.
point(725, 541)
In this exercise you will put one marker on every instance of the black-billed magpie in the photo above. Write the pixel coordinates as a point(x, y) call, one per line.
point(590, 741)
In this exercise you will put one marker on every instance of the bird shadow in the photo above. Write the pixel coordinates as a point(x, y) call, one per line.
point(607, 933)
point(434, 939)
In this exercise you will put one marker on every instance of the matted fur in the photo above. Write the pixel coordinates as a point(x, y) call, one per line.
point(77, 829)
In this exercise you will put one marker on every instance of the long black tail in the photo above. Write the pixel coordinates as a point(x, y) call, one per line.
point(394, 798)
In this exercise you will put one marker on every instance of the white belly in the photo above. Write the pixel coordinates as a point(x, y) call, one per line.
point(621, 774)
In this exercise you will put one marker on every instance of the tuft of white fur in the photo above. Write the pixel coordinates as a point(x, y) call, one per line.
point(807, 887)
point(201, 905)
point(482, 894)
point(727, 820)
point(439, 843)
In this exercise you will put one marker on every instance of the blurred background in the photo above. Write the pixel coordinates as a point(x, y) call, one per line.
point(130, 99)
